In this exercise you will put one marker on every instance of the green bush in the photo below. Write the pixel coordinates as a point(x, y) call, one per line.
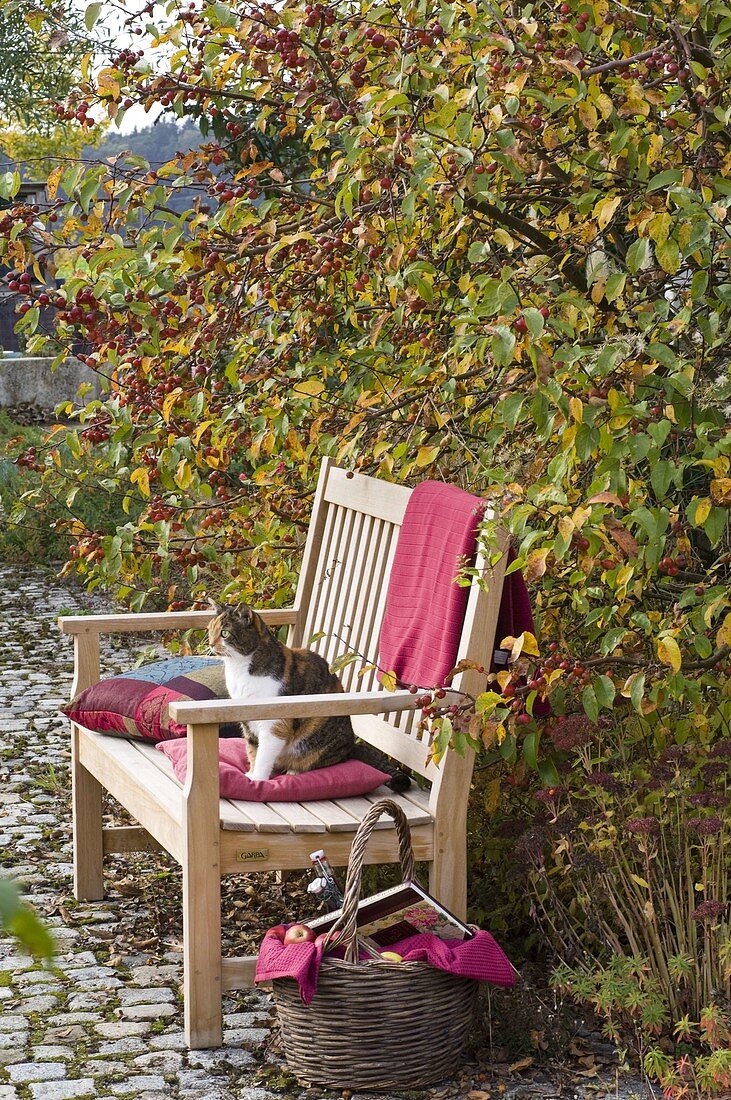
point(39, 524)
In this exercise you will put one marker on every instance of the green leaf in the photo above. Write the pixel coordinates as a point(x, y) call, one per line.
point(17, 918)
point(637, 691)
point(530, 749)
point(605, 691)
point(9, 184)
point(698, 285)
point(661, 478)
point(665, 179)
point(638, 255)
point(615, 286)
point(534, 320)
point(92, 13)
point(663, 354)
point(549, 773)
point(509, 409)
point(503, 345)
point(590, 704)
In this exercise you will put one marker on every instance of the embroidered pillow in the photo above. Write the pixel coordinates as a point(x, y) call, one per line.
point(137, 703)
point(337, 781)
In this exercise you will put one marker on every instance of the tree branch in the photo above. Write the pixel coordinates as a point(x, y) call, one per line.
point(555, 250)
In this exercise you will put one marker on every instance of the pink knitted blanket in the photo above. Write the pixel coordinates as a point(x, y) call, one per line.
point(425, 609)
point(478, 958)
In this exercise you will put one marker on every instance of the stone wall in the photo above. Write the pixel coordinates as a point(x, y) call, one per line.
point(32, 382)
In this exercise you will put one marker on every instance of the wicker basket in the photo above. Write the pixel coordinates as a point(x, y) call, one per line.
point(375, 1025)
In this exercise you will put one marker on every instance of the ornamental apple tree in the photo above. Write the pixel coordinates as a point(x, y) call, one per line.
point(484, 243)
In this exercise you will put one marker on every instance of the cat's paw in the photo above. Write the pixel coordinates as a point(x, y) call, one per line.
point(254, 777)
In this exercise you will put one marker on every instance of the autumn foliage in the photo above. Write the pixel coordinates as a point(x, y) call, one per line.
point(483, 243)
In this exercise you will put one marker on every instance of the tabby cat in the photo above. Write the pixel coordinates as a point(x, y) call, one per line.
point(258, 666)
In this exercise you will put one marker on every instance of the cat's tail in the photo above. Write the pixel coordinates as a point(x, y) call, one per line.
point(400, 780)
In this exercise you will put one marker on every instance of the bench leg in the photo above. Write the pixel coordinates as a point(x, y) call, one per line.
point(202, 892)
point(86, 796)
point(448, 869)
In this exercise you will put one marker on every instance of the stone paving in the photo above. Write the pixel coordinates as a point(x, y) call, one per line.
point(106, 1022)
point(103, 1024)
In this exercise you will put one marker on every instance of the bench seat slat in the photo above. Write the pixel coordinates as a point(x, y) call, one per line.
point(334, 817)
point(414, 814)
point(298, 817)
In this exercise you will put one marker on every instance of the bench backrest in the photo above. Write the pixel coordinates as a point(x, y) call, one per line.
point(341, 597)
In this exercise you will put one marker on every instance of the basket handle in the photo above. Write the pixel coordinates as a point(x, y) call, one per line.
point(348, 917)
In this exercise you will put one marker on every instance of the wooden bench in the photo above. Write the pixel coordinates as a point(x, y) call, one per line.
point(341, 593)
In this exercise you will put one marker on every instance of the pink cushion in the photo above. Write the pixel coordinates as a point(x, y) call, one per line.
point(337, 781)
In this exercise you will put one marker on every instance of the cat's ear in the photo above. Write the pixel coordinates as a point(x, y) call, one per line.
point(247, 615)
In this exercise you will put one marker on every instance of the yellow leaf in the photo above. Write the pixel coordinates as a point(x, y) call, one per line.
point(524, 643)
point(426, 455)
point(52, 182)
point(724, 633)
point(107, 85)
point(721, 491)
point(389, 680)
point(169, 402)
point(588, 115)
point(566, 527)
point(200, 431)
point(659, 227)
point(702, 512)
point(654, 148)
point(141, 479)
point(492, 794)
point(576, 409)
point(536, 565)
point(668, 651)
point(183, 474)
point(312, 386)
point(640, 881)
point(604, 210)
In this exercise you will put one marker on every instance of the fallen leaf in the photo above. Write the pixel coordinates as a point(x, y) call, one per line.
point(522, 1064)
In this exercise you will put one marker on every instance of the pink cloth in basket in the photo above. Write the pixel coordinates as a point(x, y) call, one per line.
point(480, 958)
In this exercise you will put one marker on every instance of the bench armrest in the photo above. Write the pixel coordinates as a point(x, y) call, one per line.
point(164, 620)
point(293, 706)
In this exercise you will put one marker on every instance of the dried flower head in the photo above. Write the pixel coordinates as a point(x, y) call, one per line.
point(706, 826)
point(606, 781)
point(571, 731)
point(709, 910)
point(673, 752)
point(713, 770)
point(708, 799)
point(643, 825)
point(530, 845)
point(722, 749)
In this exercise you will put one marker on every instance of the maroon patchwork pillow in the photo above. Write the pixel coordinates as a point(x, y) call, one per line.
point(137, 703)
point(338, 781)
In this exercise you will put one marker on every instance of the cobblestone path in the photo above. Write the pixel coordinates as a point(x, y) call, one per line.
point(107, 1022)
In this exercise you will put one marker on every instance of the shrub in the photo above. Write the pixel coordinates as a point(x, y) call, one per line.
point(41, 522)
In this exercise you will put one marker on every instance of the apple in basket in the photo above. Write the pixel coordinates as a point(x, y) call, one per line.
point(278, 930)
point(299, 933)
point(391, 956)
point(320, 941)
